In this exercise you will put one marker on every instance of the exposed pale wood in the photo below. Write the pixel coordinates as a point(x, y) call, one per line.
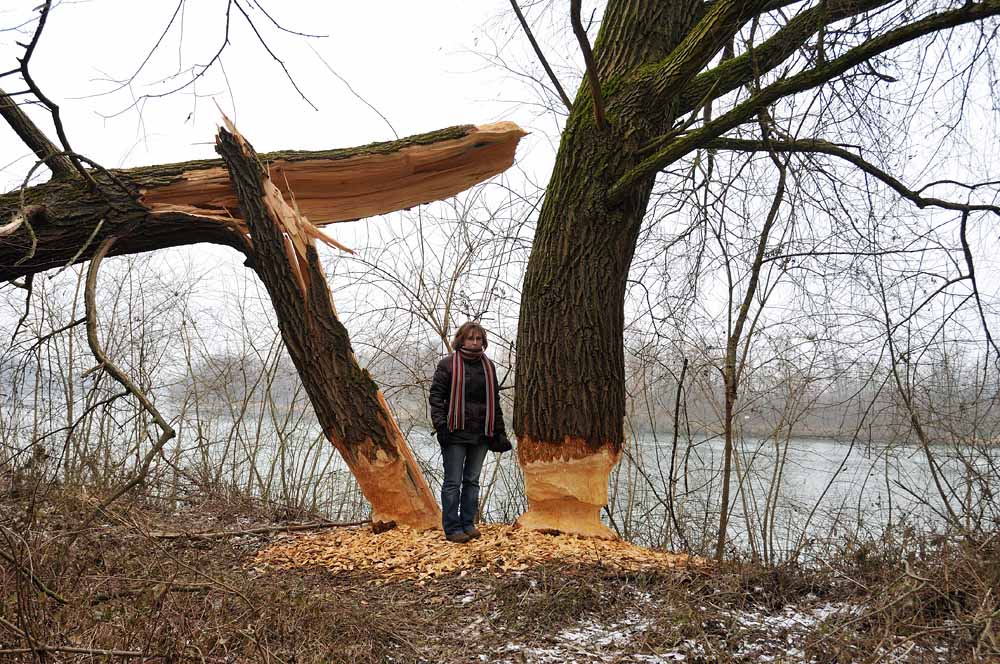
point(329, 190)
point(566, 486)
point(169, 205)
point(349, 406)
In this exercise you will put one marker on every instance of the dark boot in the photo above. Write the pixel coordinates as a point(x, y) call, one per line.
point(458, 538)
point(473, 532)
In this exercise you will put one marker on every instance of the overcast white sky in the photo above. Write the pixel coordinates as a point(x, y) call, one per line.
point(415, 62)
point(422, 65)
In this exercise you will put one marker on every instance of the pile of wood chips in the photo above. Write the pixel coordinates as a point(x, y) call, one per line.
point(403, 554)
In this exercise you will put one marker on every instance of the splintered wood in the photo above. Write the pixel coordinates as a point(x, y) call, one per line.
point(405, 554)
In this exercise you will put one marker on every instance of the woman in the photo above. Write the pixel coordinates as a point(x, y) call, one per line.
point(465, 410)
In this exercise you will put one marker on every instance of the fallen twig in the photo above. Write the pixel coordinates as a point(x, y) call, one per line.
point(218, 534)
point(174, 588)
point(34, 579)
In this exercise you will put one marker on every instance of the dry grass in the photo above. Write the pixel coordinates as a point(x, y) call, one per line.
point(173, 600)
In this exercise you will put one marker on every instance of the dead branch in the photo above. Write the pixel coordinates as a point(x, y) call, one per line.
point(191, 568)
point(38, 583)
point(90, 299)
point(170, 586)
point(40, 649)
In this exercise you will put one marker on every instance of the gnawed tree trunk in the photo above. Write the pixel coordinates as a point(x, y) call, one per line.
point(155, 207)
point(570, 404)
point(649, 72)
point(348, 403)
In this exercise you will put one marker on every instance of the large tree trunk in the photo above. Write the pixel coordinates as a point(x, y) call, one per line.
point(651, 60)
point(570, 404)
point(154, 207)
point(348, 403)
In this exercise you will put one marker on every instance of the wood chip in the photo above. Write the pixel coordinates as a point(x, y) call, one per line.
point(405, 554)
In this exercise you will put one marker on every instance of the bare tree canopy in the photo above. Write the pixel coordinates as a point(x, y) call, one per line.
point(670, 89)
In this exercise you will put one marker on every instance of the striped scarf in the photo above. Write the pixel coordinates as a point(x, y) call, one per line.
point(456, 403)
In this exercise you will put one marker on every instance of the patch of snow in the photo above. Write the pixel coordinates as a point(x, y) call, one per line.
point(591, 641)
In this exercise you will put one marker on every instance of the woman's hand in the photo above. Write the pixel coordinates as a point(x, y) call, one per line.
point(442, 435)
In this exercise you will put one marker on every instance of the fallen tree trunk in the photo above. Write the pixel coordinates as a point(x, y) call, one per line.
point(348, 403)
point(155, 207)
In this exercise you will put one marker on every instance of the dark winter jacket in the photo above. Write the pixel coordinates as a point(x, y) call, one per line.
point(475, 398)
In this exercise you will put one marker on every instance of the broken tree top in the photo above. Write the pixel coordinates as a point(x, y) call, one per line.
point(342, 185)
point(167, 205)
point(404, 554)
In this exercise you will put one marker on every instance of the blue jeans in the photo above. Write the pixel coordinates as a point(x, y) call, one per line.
point(460, 489)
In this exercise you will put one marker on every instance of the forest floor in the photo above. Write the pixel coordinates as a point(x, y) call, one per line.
point(135, 585)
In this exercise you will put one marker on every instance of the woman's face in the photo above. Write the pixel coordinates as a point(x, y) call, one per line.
point(474, 341)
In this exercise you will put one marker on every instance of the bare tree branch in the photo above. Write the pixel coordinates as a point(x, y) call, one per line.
point(721, 21)
point(967, 252)
point(48, 103)
point(33, 137)
point(824, 147)
point(267, 48)
point(167, 432)
point(798, 83)
point(200, 69)
point(732, 74)
point(541, 56)
point(283, 28)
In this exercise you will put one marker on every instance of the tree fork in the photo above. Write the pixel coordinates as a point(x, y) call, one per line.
point(348, 403)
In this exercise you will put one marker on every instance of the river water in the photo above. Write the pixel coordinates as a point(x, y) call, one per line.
point(798, 494)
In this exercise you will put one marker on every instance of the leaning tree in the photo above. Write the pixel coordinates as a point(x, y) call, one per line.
point(272, 209)
point(665, 82)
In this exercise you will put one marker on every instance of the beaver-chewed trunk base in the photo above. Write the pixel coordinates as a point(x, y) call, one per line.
point(394, 485)
point(349, 405)
point(566, 495)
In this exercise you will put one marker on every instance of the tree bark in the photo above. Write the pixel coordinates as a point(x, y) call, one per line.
point(155, 207)
point(348, 403)
point(570, 404)
point(650, 59)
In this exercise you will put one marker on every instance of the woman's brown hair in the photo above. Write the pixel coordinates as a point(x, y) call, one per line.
point(464, 331)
